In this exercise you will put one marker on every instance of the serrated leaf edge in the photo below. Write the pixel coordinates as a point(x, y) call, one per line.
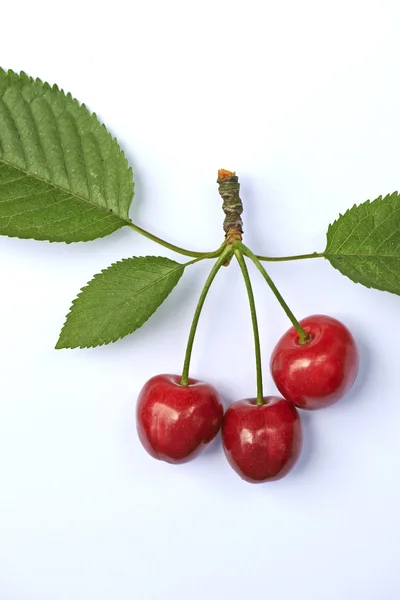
point(12, 75)
point(366, 203)
point(337, 258)
point(62, 347)
point(22, 75)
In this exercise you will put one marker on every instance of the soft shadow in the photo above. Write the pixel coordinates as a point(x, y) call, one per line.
point(308, 450)
point(130, 441)
point(214, 448)
point(365, 373)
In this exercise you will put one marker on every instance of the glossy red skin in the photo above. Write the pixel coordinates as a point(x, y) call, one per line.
point(262, 443)
point(175, 422)
point(320, 372)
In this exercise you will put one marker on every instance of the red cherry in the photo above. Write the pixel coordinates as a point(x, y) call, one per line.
point(175, 422)
point(319, 372)
point(262, 442)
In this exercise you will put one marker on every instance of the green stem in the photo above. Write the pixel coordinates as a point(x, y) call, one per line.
point(227, 253)
point(296, 257)
point(304, 337)
point(172, 247)
point(196, 260)
point(247, 281)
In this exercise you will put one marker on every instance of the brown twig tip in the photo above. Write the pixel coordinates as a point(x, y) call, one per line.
point(224, 174)
point(228, 187)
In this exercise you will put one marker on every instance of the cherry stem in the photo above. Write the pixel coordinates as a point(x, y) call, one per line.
point(225, 255)
point(216, 253)
point(303, 336)
point(174, 248)
point(253, 312)
point(296, 257)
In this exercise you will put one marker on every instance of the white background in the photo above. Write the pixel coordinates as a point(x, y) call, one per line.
point(302, 99)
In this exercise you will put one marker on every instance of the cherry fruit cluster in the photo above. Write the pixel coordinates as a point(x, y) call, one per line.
point(313, 365)
point(262, 440)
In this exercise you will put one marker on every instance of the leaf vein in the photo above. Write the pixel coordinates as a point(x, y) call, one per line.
point(376, 227)
point(57, 187)
point(13, 180)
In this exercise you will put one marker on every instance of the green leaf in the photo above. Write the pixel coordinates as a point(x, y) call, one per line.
point(119, 300)
point(364, 243)
point(62, 176)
